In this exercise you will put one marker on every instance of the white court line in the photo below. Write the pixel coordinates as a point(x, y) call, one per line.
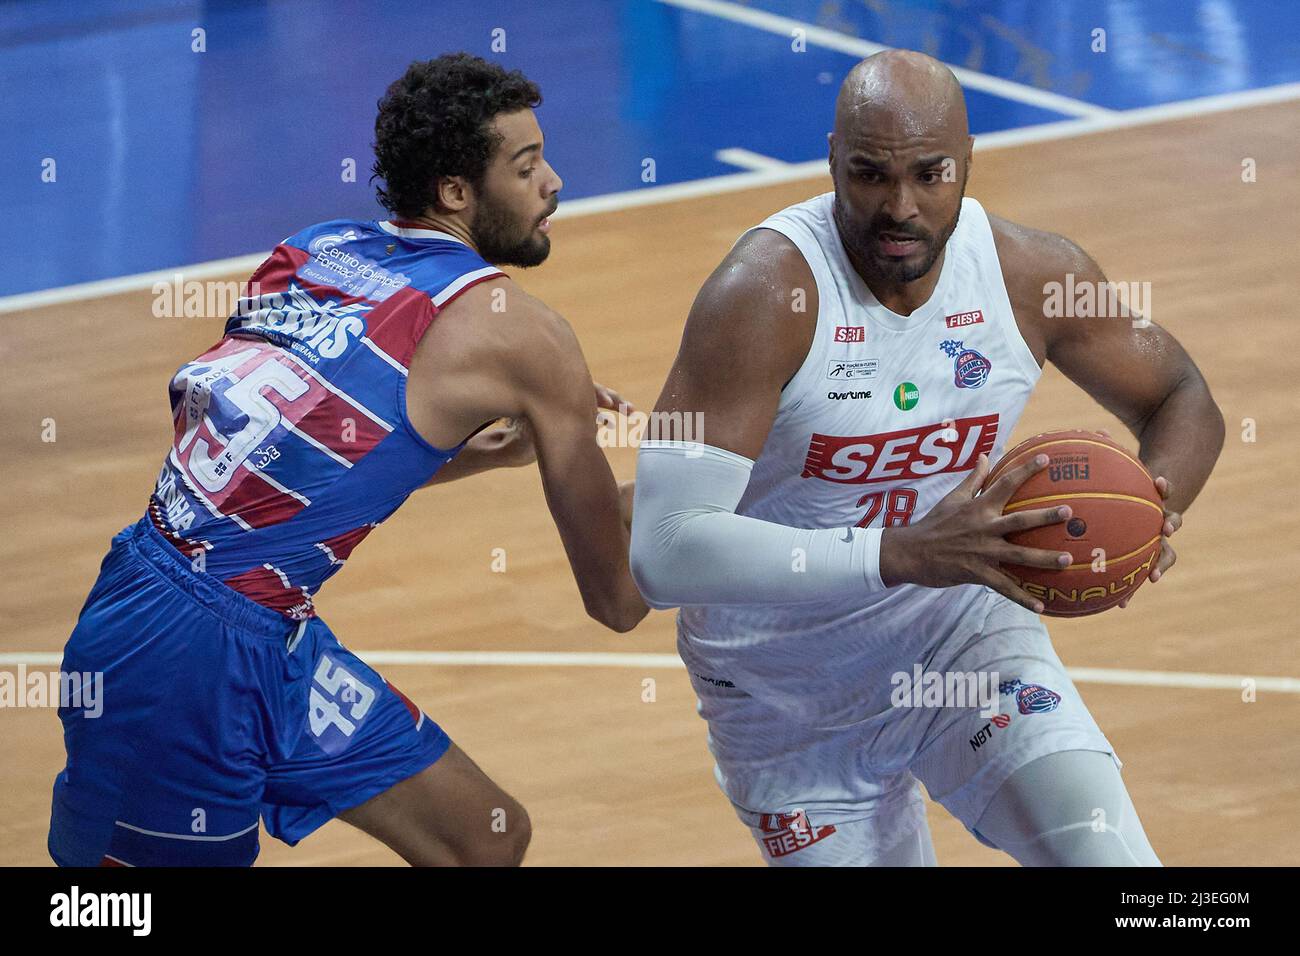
point(1083, 675)
point(711, 186)
point(1103, 675)
point(747, 159)
point(132, 283)
point(843, 43)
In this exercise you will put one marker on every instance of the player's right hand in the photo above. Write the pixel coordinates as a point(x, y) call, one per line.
point(961, 540)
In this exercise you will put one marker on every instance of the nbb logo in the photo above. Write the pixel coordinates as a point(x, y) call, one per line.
point(954, 445)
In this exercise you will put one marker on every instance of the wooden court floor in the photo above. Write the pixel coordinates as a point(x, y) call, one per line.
point(609, 778)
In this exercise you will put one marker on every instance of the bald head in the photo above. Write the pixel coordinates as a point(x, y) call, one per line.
point(900, 155)
point(903, 94)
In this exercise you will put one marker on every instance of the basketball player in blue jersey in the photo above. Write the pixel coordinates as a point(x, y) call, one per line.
point(860, 358)
point(370, 358)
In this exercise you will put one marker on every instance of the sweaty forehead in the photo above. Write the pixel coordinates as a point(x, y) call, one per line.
point(890, 141)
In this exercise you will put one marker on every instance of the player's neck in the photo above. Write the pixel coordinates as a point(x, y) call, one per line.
point(448, 224)
point(902, 298)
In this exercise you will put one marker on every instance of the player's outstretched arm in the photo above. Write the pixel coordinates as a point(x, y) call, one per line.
point(495, 353)
point(745, 338)
point(559, 401)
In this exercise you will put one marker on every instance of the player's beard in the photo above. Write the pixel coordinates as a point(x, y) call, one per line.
point(894, 271)
point(503, 240)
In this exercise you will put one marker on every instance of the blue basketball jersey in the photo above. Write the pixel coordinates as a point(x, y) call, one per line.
point(291, 435)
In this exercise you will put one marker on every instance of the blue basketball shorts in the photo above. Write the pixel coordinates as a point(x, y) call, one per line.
point(215, 711)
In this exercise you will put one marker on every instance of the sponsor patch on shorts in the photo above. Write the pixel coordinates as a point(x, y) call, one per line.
point(786, 833)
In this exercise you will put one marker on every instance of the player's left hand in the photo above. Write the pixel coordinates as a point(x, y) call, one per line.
point(609, 404)
point(1173, 521)
point(511, 445)
point(610, 400)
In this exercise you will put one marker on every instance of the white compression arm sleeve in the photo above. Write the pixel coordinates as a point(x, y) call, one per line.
point(690, 547)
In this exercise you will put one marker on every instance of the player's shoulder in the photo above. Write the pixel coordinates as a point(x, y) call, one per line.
point(427, 261)
point(756, 314)
point(1034, 261)
point(331, 232)
point(1031, 258)
point(763, 268)
point(503, 318)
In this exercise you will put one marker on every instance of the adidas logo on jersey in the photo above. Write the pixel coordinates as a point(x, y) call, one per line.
point(325, 327)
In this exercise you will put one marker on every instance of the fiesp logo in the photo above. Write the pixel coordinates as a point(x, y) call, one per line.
point(963, 319)
point(786, 833)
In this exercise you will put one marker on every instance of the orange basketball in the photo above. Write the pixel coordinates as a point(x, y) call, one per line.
point(1113, 534)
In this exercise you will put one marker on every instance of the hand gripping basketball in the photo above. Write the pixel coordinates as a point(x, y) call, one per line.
point(1173, 521)
point(961, 540)
point(1116, 535)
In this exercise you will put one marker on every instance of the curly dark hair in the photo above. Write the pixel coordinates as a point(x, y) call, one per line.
point(433, 122)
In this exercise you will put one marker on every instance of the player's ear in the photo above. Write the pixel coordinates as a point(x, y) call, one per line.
point(830, 143)
point(970, 152)
point(454, 193)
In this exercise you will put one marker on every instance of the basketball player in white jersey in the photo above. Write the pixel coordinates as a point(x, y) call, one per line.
point(858, 360)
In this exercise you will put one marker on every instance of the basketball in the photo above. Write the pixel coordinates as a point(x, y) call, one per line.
point(1113, 534)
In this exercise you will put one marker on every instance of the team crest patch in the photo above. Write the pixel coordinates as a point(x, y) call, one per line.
point(970, 368)
point(1031, 698)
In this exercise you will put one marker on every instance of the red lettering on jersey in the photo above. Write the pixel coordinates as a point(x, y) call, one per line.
point(786, 833)
point(850, 333)
point(963, 318)
point(909, 453)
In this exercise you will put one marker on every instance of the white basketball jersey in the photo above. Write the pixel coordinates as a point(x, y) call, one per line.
point(887, 414)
